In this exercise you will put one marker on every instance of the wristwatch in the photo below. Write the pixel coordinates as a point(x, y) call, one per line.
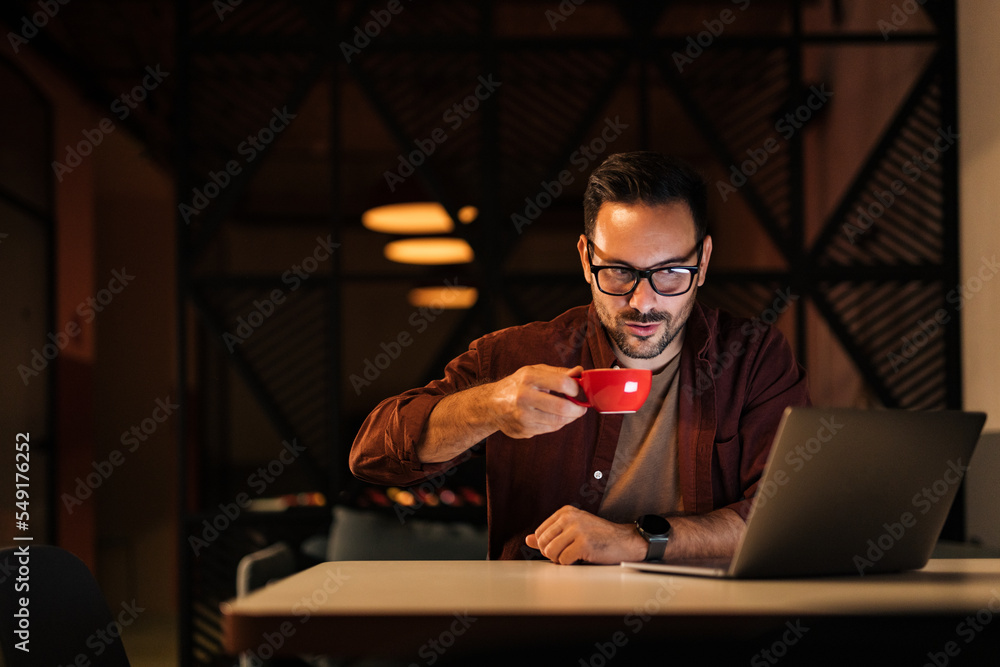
point(656, 531)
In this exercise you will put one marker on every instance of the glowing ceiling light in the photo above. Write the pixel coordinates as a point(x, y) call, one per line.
point(467, 214)
point(409, 218)
point(435, 250)
point(449, 298)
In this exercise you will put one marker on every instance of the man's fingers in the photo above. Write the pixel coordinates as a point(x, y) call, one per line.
point(557, 406)
point(545, 525)
point(557, 544)
point(552, 379)
point(559, 548)
point(549, 537)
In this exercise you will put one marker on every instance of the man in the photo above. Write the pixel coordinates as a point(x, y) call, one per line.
point(580, 486)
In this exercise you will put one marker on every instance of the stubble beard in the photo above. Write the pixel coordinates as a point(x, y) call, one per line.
point(636, 347)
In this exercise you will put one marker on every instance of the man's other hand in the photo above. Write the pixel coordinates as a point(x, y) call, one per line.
point(572, 535)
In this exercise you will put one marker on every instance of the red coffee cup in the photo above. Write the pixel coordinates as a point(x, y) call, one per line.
point(614, 390)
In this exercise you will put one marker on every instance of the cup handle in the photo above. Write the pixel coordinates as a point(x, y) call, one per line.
point(579, 381)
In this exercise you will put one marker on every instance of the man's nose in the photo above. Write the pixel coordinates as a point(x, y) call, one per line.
point(644, 297)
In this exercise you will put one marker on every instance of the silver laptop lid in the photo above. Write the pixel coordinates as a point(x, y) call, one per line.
point(850, 491)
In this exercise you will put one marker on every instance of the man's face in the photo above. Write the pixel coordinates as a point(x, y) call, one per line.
point(643, 325)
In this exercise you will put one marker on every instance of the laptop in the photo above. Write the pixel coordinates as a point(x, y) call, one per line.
point(848, 492)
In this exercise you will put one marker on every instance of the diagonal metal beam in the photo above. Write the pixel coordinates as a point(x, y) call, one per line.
point(84, 78)
point(445, 353)
point(22, 204)
point(859, 356)
point(839, 215)
point(313, 470)
point(427, 173)
point(718, 147)
point(212, 218)
point(578, 134)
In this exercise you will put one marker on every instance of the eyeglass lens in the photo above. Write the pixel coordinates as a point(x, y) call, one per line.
point(621, 281)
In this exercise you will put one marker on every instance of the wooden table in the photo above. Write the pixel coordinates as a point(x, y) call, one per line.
point(435, 611)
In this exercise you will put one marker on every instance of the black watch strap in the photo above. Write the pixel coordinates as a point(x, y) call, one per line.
point(656, 531)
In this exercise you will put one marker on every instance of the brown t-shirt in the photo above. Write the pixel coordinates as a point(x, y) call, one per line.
point(644, 477)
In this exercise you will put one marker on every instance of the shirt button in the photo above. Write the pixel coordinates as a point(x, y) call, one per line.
point(598, 474)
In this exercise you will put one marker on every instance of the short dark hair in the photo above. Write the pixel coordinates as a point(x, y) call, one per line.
point(648, 178)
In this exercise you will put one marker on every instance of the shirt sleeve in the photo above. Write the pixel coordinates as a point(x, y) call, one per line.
point(384, 451)
point(775, 381)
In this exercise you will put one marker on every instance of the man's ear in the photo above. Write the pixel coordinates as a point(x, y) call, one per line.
point(706, 254)
point(581, 246)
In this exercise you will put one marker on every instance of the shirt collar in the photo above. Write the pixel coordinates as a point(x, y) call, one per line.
point(600, 347)
point(697, 331)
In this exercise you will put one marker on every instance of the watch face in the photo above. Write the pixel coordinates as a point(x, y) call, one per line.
point(654, 524)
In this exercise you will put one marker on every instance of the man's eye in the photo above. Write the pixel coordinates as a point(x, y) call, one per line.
point(620, 274)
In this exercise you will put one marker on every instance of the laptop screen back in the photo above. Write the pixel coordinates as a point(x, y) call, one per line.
point(849, 491)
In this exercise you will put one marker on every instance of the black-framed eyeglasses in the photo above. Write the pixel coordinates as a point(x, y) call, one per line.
point(623, 280)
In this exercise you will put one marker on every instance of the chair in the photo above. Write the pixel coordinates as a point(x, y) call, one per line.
point(360, 535)
point(67, 616)
point(257, 570)
point(367, 535)
point(262, 567)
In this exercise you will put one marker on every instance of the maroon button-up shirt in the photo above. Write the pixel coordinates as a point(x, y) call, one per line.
point(736, 378)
